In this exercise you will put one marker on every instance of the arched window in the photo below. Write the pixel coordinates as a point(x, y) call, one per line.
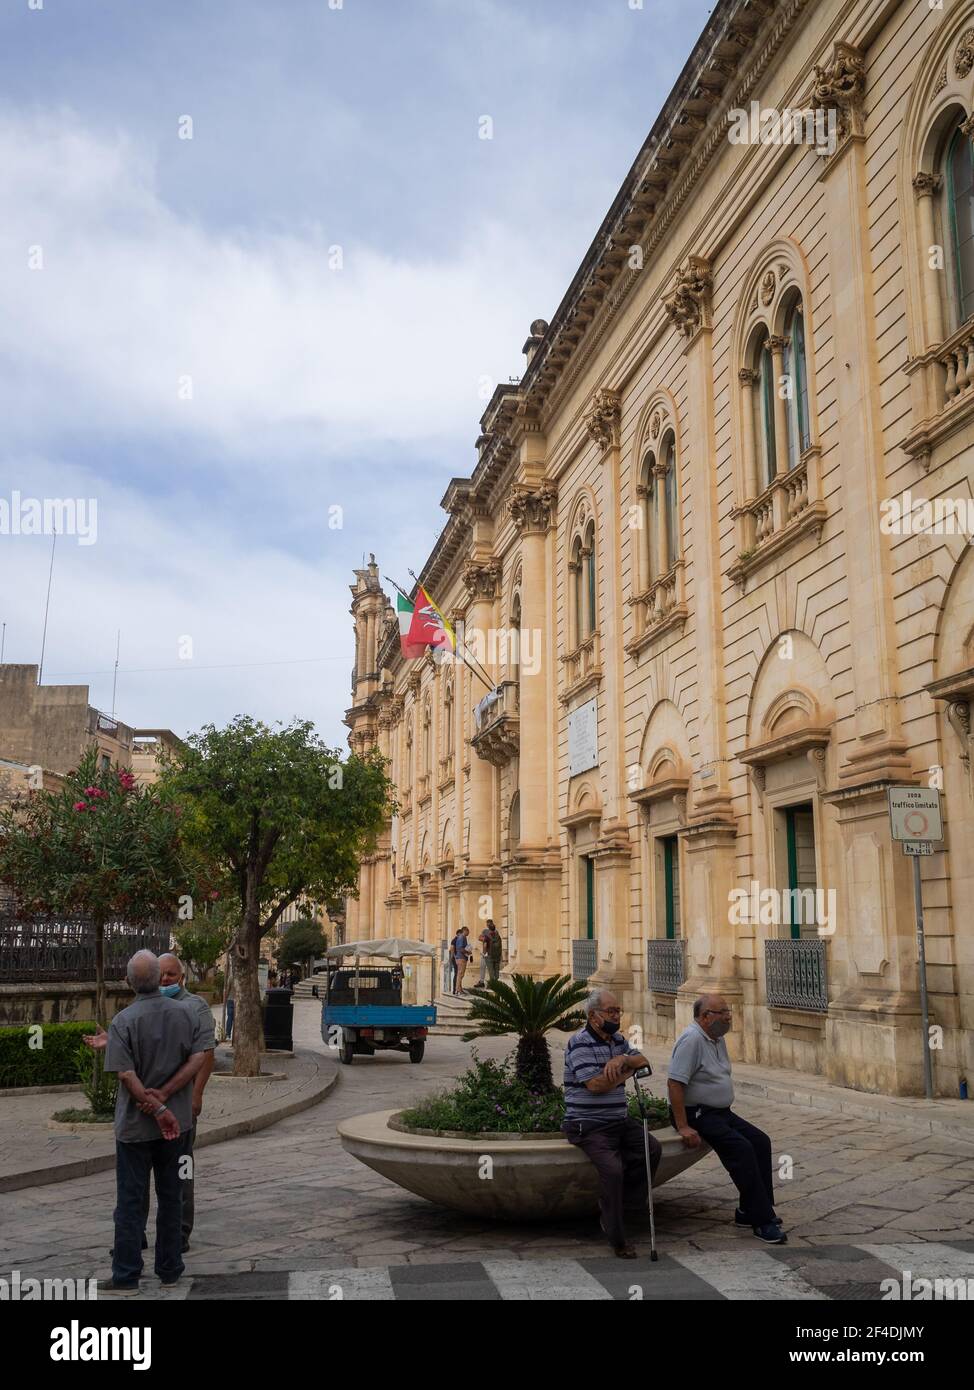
point(578, 608)
point(514, 821)
point(408, 770)
point(649, 522)
point(959, 185)
point(515, 646)
point(589, 553)
point(427, 737)
point(763, 401)
point(672, 506)
point(793, 363)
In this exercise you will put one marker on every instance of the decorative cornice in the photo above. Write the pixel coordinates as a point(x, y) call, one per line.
point(604, 417)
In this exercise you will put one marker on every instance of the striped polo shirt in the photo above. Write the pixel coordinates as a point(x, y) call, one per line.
point(585, 1058)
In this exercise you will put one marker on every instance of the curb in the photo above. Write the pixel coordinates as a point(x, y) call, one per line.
point(229, 1129)
point(859, 1109)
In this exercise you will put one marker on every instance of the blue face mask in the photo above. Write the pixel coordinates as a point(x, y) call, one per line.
point(170, 991)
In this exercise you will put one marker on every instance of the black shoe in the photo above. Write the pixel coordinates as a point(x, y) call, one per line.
point(772, 1234)
point(112, 1287)
point(168, 1283)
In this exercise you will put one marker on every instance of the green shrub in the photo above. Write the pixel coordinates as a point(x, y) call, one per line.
point(489, 1099)
point(52, 1064)
point(100, 1087)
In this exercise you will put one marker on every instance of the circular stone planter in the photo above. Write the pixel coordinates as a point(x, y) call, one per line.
point(82, 1126)
point(532, 1177)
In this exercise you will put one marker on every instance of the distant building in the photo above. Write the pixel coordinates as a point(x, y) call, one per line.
point(51, 726)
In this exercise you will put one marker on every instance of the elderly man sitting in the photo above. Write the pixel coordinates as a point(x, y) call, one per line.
point(701, 1096)
point(598, 1060)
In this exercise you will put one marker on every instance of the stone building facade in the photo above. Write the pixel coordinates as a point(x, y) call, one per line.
point(730, 647)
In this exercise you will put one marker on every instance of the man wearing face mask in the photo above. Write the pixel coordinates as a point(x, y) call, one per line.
point(598, 1061)
point(701, 1095)
point(172, 982)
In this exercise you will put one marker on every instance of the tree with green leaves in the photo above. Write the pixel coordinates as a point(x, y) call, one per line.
point(530, 1008)
point(102, 846)
point(286, 818)
point(203, 940)
point(303, 941)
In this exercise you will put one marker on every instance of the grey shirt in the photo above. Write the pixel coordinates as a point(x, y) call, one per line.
point(153, 1037)
point(208, 1034)
point(703, 1066)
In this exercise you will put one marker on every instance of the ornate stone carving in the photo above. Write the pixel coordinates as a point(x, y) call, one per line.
point(602, 420)
point(689, 304)
point(775, 345)
point(757, 775)
point(532, 508)
point(964, 53)
point(926, 185)
point(840, 86)
point(481, 578)
point(968, 127)
point(747, 376)
point(816, 756)
point(768, 286)
point(941, 82)
point(656, 425)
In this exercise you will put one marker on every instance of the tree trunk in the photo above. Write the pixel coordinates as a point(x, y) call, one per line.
point(101, 996)
point(248, 1021)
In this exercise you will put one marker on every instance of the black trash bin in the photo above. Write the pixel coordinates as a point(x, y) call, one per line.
point(279, 1021)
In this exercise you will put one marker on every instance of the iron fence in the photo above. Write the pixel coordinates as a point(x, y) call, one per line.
point(38, 949)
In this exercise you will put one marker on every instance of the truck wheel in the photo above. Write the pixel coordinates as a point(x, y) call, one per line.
point(416, 1050)
point(346, 1052)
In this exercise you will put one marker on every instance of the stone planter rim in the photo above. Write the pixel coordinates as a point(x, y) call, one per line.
point(480, 1136)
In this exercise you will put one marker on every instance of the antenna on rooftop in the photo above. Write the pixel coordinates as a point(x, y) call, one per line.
point(47, 607)
point(118, 645)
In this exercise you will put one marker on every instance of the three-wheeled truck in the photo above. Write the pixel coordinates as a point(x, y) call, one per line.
point(362, 1011)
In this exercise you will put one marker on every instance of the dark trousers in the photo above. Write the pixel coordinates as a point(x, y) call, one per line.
point(745, 1151)
point(617, 1151)
point(135, 1164)
point(188, 1187)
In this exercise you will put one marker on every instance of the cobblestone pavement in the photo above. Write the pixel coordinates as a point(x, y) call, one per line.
point(30, 1152)
point(289, 1209)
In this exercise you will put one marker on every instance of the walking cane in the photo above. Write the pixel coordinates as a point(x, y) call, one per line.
point(641, 1102)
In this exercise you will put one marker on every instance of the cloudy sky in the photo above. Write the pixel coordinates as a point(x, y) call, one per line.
point(234, 341)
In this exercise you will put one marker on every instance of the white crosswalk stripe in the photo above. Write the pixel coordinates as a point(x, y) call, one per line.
point(927, 1260)
point(750, 1275)
point(541, 1280)
point(374, 1285)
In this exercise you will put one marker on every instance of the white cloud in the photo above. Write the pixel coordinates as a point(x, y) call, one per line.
point(132, 299)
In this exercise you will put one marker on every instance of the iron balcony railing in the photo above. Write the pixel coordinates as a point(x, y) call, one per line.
point(666, 964)
point(796, 974)
point(63, 948)
point(585, 958)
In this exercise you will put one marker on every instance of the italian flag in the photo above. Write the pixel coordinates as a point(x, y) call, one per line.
point(404, 612)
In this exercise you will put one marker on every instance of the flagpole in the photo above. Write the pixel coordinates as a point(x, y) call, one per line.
point(481, 674)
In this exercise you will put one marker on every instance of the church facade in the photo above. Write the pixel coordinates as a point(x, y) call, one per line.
point(714, 561)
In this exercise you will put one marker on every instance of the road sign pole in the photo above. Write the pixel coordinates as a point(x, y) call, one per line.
point(924, 1002)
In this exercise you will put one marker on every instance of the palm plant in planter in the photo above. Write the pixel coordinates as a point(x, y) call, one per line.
point(530, 1008)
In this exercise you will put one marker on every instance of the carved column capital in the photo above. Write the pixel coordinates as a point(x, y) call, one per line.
point(926, 185)
point(746, 376)
point(604, 416)
point(481, 578)
point(689, 306)
point(775, 345)
point(532, 508)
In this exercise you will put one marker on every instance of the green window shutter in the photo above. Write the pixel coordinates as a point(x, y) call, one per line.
point(589, 899)
point(796, 930)
point(669, 854)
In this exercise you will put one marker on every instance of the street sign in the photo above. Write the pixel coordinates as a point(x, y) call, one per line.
point(916, 848)
point(914, 813)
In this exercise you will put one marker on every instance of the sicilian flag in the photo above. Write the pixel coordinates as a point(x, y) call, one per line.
point(404, 611)
point(429, 627)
